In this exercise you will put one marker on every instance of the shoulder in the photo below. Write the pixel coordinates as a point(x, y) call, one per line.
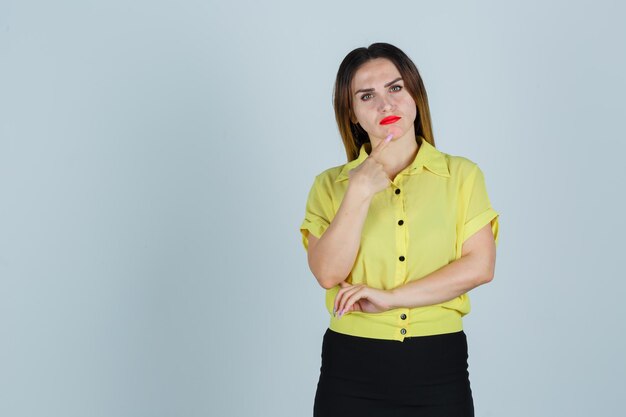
point(326, 187)
point(329, 176)
point(459, 163)
point(461, 167)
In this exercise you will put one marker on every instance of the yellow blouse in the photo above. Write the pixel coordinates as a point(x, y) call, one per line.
point(414, 227)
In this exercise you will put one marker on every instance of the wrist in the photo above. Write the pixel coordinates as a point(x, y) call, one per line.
point(393, 298)
point(359, 192)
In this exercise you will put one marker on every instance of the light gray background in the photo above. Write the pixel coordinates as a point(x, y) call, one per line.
point(155, 159)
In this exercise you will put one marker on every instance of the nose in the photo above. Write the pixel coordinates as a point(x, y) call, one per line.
point(385, 104)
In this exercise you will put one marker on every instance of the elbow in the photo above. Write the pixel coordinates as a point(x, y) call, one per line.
point(486, 276)
point(327, 276)
point(328, 281)
point(327, 285)
point(485, 268)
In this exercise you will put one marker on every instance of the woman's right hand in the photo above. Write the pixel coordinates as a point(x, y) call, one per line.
point(332, 256)
point(369, 176)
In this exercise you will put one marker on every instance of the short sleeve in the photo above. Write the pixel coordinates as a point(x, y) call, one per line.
point(479, 211)
point(318, 213)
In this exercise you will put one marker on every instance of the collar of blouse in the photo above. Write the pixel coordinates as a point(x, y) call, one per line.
point(427, 156)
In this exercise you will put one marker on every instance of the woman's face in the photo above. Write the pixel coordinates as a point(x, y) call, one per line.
point(381, 104)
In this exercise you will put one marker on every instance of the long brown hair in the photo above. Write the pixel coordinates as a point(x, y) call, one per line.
point(352, 134)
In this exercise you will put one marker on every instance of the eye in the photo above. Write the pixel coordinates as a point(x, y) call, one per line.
point(366, 97)
point(395, 88)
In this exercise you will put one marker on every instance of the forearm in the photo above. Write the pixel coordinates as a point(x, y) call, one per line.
point(444, 284)
point(335, 252)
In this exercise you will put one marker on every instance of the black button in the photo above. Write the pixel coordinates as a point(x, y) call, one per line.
point(400, 222)
point(403, 316)
point(401, 258)
point(403, 331)
point(397, 191)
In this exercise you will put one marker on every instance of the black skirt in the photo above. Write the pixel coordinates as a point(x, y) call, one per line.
point(421, 376)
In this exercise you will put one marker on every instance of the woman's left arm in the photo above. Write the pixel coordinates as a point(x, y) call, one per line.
point(475, 267)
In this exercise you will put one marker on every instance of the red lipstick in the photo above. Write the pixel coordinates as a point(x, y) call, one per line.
point(389, 120)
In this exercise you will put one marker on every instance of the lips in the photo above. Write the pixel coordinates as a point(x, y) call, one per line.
point(389, 120)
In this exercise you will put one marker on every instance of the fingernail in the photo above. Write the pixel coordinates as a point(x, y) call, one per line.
point(334, 311)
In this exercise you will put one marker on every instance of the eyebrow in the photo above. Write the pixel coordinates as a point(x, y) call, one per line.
point(369, 90)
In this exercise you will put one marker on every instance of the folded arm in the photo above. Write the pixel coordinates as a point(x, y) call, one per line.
point(475, 267)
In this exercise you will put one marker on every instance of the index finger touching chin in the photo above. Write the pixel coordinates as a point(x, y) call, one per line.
point(395, 131)
point(381, 145)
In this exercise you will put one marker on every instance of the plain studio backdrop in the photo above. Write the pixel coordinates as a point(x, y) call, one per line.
point(155, 159)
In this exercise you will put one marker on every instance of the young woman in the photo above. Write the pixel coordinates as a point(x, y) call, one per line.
point(397, 237)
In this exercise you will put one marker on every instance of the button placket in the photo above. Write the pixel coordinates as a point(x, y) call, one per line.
point(402, 239)
point(401, 243)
